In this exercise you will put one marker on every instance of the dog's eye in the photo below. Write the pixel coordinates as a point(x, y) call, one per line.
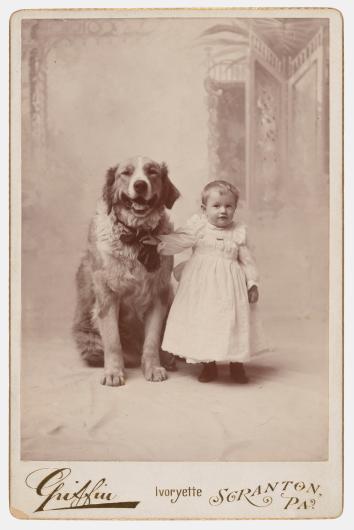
point(126, 172)
point(151, 171)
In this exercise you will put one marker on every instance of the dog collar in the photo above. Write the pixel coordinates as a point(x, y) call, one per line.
point(147, 254)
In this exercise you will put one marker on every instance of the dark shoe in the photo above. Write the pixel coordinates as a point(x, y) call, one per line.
point(209, 373)
point(237, 373)
point(168, 361)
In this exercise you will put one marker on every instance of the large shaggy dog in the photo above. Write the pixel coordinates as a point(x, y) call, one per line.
point(123, 285)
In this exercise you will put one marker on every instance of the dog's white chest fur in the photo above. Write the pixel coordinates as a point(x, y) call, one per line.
point(124, 274)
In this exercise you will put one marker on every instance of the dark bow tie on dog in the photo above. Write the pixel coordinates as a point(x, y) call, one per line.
point(147, 253)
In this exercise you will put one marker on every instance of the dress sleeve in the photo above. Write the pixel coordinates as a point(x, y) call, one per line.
point(182, 238)
point(245, 257)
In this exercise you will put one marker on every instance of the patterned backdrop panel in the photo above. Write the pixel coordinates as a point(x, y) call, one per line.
point(231, 138)
point(267, 141)
point(303, 152)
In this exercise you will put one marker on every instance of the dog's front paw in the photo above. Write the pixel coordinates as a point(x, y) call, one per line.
point(154, 373)
point(113, 378)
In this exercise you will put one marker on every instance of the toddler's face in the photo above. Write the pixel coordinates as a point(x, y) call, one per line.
point(220, 208)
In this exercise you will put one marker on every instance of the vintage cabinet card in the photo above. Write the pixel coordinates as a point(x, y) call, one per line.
point(119, 119)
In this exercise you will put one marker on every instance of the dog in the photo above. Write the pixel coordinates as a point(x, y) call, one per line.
point(123, 286)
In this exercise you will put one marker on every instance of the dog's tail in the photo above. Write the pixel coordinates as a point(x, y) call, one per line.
point(90, 346)
point(86, 334)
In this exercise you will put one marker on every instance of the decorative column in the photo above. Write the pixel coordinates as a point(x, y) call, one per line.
point(34, 90)
point(213, 94)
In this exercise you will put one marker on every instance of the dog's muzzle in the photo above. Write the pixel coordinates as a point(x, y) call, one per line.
point(138, 204)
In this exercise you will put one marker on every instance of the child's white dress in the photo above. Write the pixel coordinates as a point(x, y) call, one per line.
point(211, 318)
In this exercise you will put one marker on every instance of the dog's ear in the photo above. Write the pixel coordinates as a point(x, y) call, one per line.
point(169, 193)
point(108, 188)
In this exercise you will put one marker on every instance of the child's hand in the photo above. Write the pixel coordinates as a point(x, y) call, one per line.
point(150, 240)
point(253, 294)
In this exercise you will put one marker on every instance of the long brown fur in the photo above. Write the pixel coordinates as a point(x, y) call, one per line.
point(121, 307)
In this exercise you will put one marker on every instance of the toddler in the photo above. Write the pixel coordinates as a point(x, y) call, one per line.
point(210, 319)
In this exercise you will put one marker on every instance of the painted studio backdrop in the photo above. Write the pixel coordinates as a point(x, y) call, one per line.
point(245, 100)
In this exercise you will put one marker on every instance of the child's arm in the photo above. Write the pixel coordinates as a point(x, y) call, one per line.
point(250, 269)
point(248, 265)
point(175, 242)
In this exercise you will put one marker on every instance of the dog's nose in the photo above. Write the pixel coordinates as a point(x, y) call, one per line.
point(140, 186)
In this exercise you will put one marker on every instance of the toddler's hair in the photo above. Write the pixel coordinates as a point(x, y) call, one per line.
point(222, 186)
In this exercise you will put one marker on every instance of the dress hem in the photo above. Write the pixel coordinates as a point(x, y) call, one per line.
point(190, 360)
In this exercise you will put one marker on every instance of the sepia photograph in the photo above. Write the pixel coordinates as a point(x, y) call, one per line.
point(178, 298)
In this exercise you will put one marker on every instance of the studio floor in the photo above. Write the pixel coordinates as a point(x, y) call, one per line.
point(281, 414)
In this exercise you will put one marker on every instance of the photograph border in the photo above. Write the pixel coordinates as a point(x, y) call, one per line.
point(15, 169)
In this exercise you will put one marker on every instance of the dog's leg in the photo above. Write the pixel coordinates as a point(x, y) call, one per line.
point(86, 334)
point(113, 374)
point(150, 361)
point(107, 314)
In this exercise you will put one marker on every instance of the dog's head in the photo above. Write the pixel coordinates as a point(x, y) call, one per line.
point(139, 185)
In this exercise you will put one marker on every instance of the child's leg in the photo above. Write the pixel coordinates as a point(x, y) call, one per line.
point(237, 373)
point(208, 373)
